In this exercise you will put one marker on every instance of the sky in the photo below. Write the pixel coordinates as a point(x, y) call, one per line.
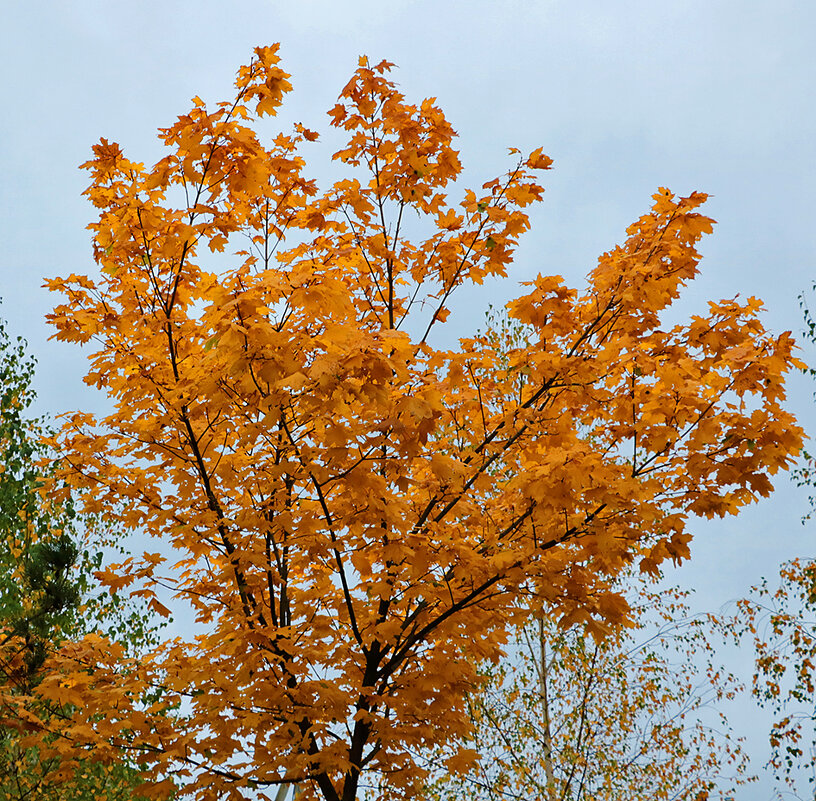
point(625, 95)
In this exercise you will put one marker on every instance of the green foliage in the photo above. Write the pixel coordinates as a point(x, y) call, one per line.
point(48, 595)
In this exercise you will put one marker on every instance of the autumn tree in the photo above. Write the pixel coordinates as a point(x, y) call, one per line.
point(352, 511)
point(566, 718)
point(47, 594)
point(778, 620)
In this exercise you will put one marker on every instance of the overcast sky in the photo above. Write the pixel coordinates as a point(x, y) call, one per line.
point(625, 95)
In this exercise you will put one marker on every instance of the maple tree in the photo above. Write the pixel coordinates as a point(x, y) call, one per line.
point(353, 513)
point(46, 596)
point(565, 717)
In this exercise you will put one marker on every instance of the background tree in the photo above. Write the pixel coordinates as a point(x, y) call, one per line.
point(780, 623)
point(356, 514)
point(567, 718)
point(47, 595)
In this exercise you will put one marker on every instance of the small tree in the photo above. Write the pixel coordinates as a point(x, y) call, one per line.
point(781, 624)
point(47, 595)
point(355, 512)
point(569, 718)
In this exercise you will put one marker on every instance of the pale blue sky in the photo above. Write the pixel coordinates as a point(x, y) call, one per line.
point(625, 95)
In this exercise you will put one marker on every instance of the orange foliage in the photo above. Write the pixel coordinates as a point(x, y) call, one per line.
point(353, 511)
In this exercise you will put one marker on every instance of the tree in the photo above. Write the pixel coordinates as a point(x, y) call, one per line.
point(779, 623)
point(46, 596)
point(569, 718)
point(356, 513)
